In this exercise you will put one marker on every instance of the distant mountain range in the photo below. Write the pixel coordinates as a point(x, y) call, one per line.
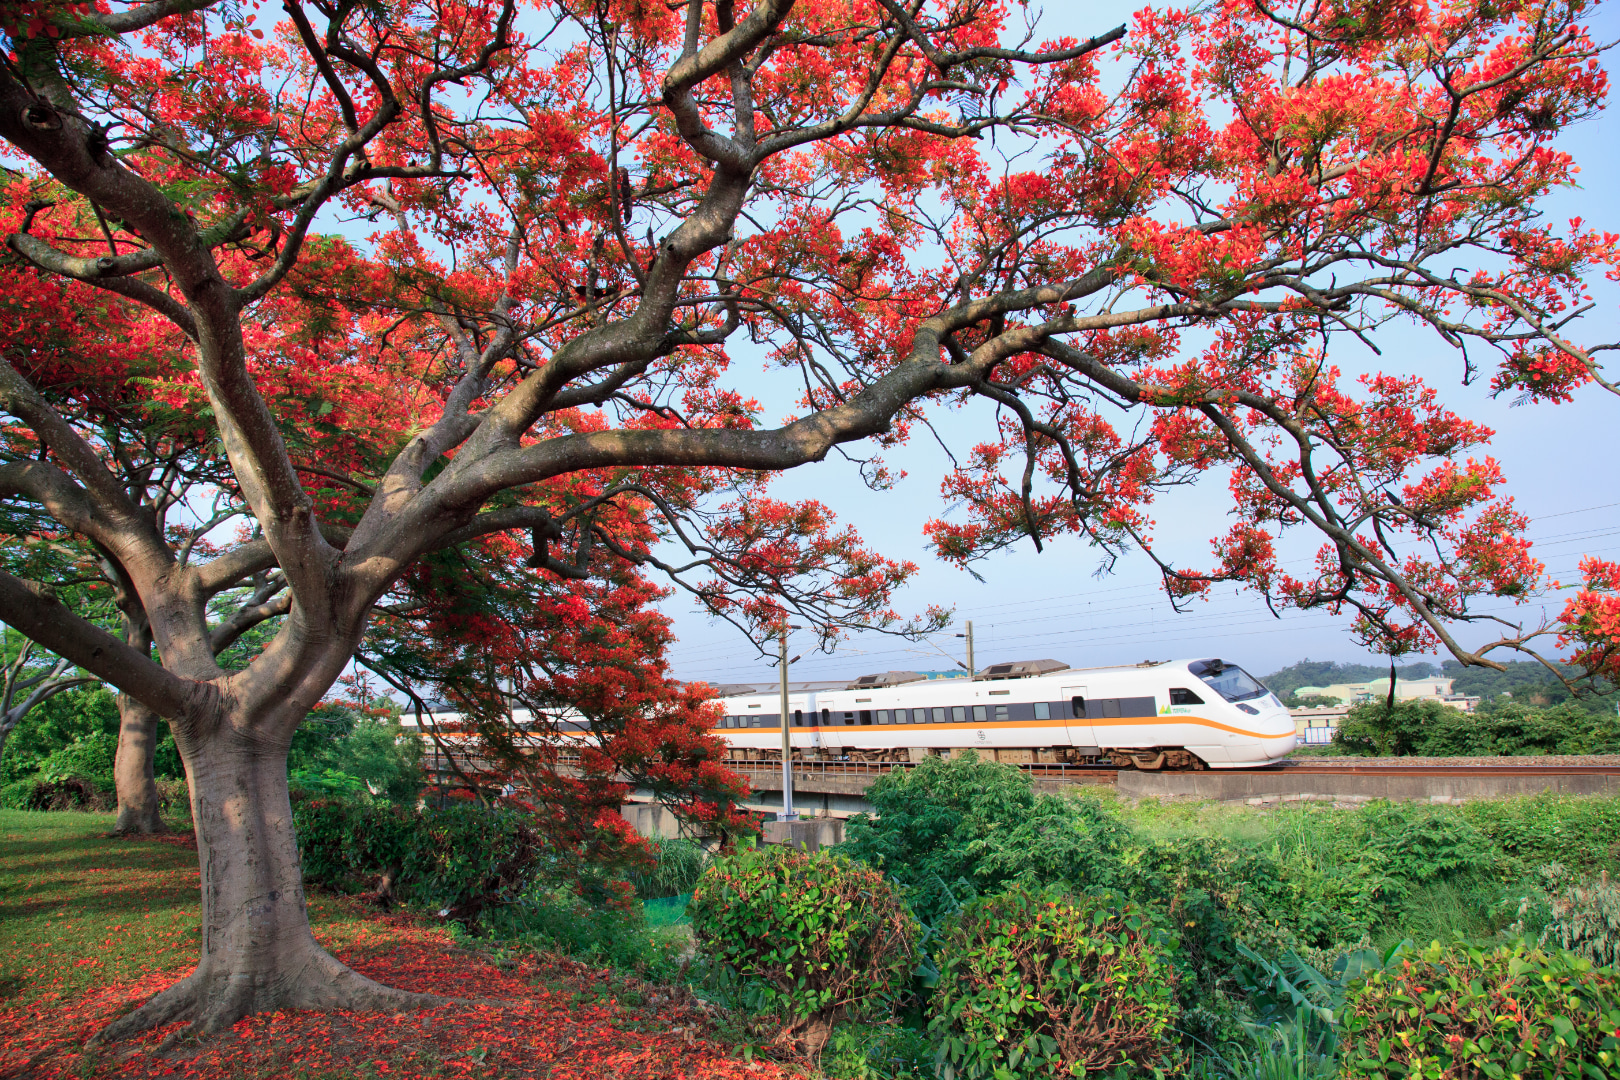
point(1524, 680)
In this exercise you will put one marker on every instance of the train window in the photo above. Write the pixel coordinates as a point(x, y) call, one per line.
point(958, 714)
point(1110, 708)
point(826, 717)
point(1182, 696)
point(978, 714)
point(1001, 713)
point(866, 717)
point(939, 716)
point(883, 716)
point(1043, 710)
point(1228, 680)
point(798, 718)
point(1077, 707)
point(849, 719)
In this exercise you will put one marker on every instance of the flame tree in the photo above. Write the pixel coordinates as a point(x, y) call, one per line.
point(1133, 256)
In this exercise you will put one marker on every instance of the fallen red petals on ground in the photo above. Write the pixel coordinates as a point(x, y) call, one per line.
point(524, 1020)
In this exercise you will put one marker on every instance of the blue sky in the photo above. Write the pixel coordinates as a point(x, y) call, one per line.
point(1558, 460)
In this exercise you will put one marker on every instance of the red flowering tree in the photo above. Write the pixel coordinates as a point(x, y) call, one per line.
point(581, 208)
point(1590, 623)
point(562, 692)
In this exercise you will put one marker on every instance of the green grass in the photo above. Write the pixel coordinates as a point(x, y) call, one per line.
point(81, 907)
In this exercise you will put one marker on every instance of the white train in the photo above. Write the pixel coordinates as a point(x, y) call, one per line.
point(1181, 714)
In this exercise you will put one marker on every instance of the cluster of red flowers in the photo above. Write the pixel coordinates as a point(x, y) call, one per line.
point(535, 1017)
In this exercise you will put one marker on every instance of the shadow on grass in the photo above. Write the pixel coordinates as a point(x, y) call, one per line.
point(117, 899)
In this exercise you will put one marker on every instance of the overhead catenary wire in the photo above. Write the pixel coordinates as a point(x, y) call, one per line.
point(695, 659)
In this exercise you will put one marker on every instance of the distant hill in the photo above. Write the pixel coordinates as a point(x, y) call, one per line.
point(1327, 672)
point(1524, 680)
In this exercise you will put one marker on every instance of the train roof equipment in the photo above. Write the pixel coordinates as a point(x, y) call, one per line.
point(1022, 669)
point(886, 678)
point(734, 689)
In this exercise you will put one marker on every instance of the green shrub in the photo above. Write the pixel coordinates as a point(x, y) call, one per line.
point(1431, 729)
point(459, 861)
point(1511, 728)
point(1465, 1012)
point(55, 724)
point(1374, 729)
point(889, 1051)
point(553, 918)
point(1417, 846)
point(1582, 832)
point(809, 938)
point(336, 752)
point(1037, 983)
point(1282, 1051)
point(1214, 890)
point(951, 830)
point(1586, 921)
point(675, 867)
point(87, 757)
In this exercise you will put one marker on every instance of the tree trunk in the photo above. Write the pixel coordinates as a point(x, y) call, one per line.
point(132, 769)
point(257, 950)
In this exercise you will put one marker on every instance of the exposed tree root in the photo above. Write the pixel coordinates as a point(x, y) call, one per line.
point(214, 1002)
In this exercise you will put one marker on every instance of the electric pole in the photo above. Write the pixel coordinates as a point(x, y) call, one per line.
point(787, 813)
point(971, 670)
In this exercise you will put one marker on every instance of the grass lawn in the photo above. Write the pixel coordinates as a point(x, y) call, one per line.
point(91, 925)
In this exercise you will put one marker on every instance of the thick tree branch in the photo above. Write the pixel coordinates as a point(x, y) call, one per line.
point(39, 616)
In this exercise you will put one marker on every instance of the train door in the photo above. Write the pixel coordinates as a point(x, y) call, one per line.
point(812, 721)
point(1081, 733)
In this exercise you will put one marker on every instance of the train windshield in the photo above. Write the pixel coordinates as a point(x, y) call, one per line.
point(1229, 680)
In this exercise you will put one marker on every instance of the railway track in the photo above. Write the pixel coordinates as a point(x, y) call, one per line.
point(1109, 774)
point(1353, 768)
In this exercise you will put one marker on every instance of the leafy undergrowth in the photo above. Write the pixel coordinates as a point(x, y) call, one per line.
point(90, 926)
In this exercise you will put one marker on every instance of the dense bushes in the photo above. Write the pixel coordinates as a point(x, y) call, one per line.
point(1586, 921)
point(810, 938)
point(337, 751)
point(1582, 834)
point(487, 870)
point(674, 866)
point(1304, 884)
point(1037, 983)
point(459, 860)
point(88, 715)
point(1464, 1012)
point(1432, 729)
point(950, 831)
point(61, 755)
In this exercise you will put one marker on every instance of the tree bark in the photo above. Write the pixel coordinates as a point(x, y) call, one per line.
point(258, 953)
point(133, 773)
